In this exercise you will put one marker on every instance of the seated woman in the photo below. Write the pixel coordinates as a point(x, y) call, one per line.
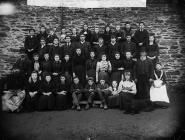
point(47, 99)
point(113, 99)
point(76, 90)
point(103, 92)
point(103, 68)
point(32, 92)
point(158, 92)
point(127, 91)
point(56, 68)
point(61, 94)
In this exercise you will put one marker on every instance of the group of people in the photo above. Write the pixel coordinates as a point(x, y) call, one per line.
point(119, 68)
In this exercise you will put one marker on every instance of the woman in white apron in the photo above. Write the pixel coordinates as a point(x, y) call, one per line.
point(158, 92)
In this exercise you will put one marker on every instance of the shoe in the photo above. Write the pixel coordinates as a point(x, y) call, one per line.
point(101, 105)
point(133, 112)
point(127, 112)
point(87, 107)
point(105, 107)
point(78, 108)
point(73, 107)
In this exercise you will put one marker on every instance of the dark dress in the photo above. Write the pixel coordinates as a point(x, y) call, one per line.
point(112, 49)
point(61, 100)
point(99, 50)
point(107, 37)
point(128, 64)
point(87, 34)
point(78, 66)
point(47, 102)
point(67, 70)
point(128, 46)
point(143, 71)
point(153, 50)
point(56, 68)
point(46, 66)
point(55, 50)
point(31, 43)
point(91, 68)
point(31, 103)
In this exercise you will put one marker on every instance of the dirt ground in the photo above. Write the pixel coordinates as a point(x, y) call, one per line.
point(96, 124)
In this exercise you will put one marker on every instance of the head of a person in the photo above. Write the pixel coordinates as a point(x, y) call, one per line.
point(127, 25)
point(78, 51)
point(96, 29)
point(34, 75)
point(46, 56)
point(82, 37)
point(85, 26)
point(42, 29)
point(127, 75)
point(51, 32)
point(128, 37)
point(107, 28)
point(42, 41)
point(118, 27)
point(68, 39)
point(56, 41)
point(152, 38)
point(56, 57)
point(90, 81)
point(36, 57)
point(141, 25)
point(100, 40)
point(102, 81)
point(63, 31)
point(114, 84)
point(158, 66)
point(117, 55)
point(103, 57)
point(48, 77)
point(76, 80)
point(32, 32)
point(128, 54)
point(92, 54)
point(74, 31)
point(66, 57)
point(143, 55)
point(113, 38)
point(62, 78)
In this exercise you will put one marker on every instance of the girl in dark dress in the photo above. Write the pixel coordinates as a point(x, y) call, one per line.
point(56, 68)
point(117, 68)
point(107, 35)
point(32, 92)
point(78, 64)
point(152, 50)
point(46, 65)
point(47, 98)
point(61, 94)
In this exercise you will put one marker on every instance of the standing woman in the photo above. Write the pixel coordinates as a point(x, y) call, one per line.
point(107, 35)
point(158, 92)
point(127, 89)
point(103, 69)
point(61, 94)
point(32, 92)
point(152, 50)
point(47, 99)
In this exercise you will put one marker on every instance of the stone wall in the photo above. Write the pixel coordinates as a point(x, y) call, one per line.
point(162, 19)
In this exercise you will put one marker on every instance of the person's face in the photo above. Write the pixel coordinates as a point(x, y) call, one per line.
point(36, 57)
point(117, 56)
point(141, 26)
point(127, 26)
point(46, 56)
point(62, 79)
point(85, 27)
point(42, 29)
point(128, 55)
point(114, 84)
point(74, 31)
point(43, 42)
point(32, 32)
point(82, 38)
point(143, 57)
point(68, 39)
point(96, 30)
point(55, 41)
point(66, 57)
point(51, 32)
point(104, 58)
point(151, 38)
point(107, 29)
point(57, 58)
point(90, 82)
point(76, 80)
point(100, 40)
point(48, 78)
point(113, 39)
point(118, 27)
point(63, 31)
point(102, 82)
point(34, 75)
point(128, 38)
point(78, 51)
point(158, 67)
point(127, 77)
point(92, 54)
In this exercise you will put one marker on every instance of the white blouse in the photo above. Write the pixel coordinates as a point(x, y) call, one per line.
point(127, 85)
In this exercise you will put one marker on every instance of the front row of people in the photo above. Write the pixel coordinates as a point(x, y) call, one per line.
point(47, 95)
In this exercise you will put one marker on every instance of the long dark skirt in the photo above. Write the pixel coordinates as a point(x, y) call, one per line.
point(113, 101)
point(91, 73)
point(116, 76)
point(80, 72)
point(143, 87)
point(103, 75)
point(61, 101)
point(46, 102)
point(31, 103)
point(126, 101)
